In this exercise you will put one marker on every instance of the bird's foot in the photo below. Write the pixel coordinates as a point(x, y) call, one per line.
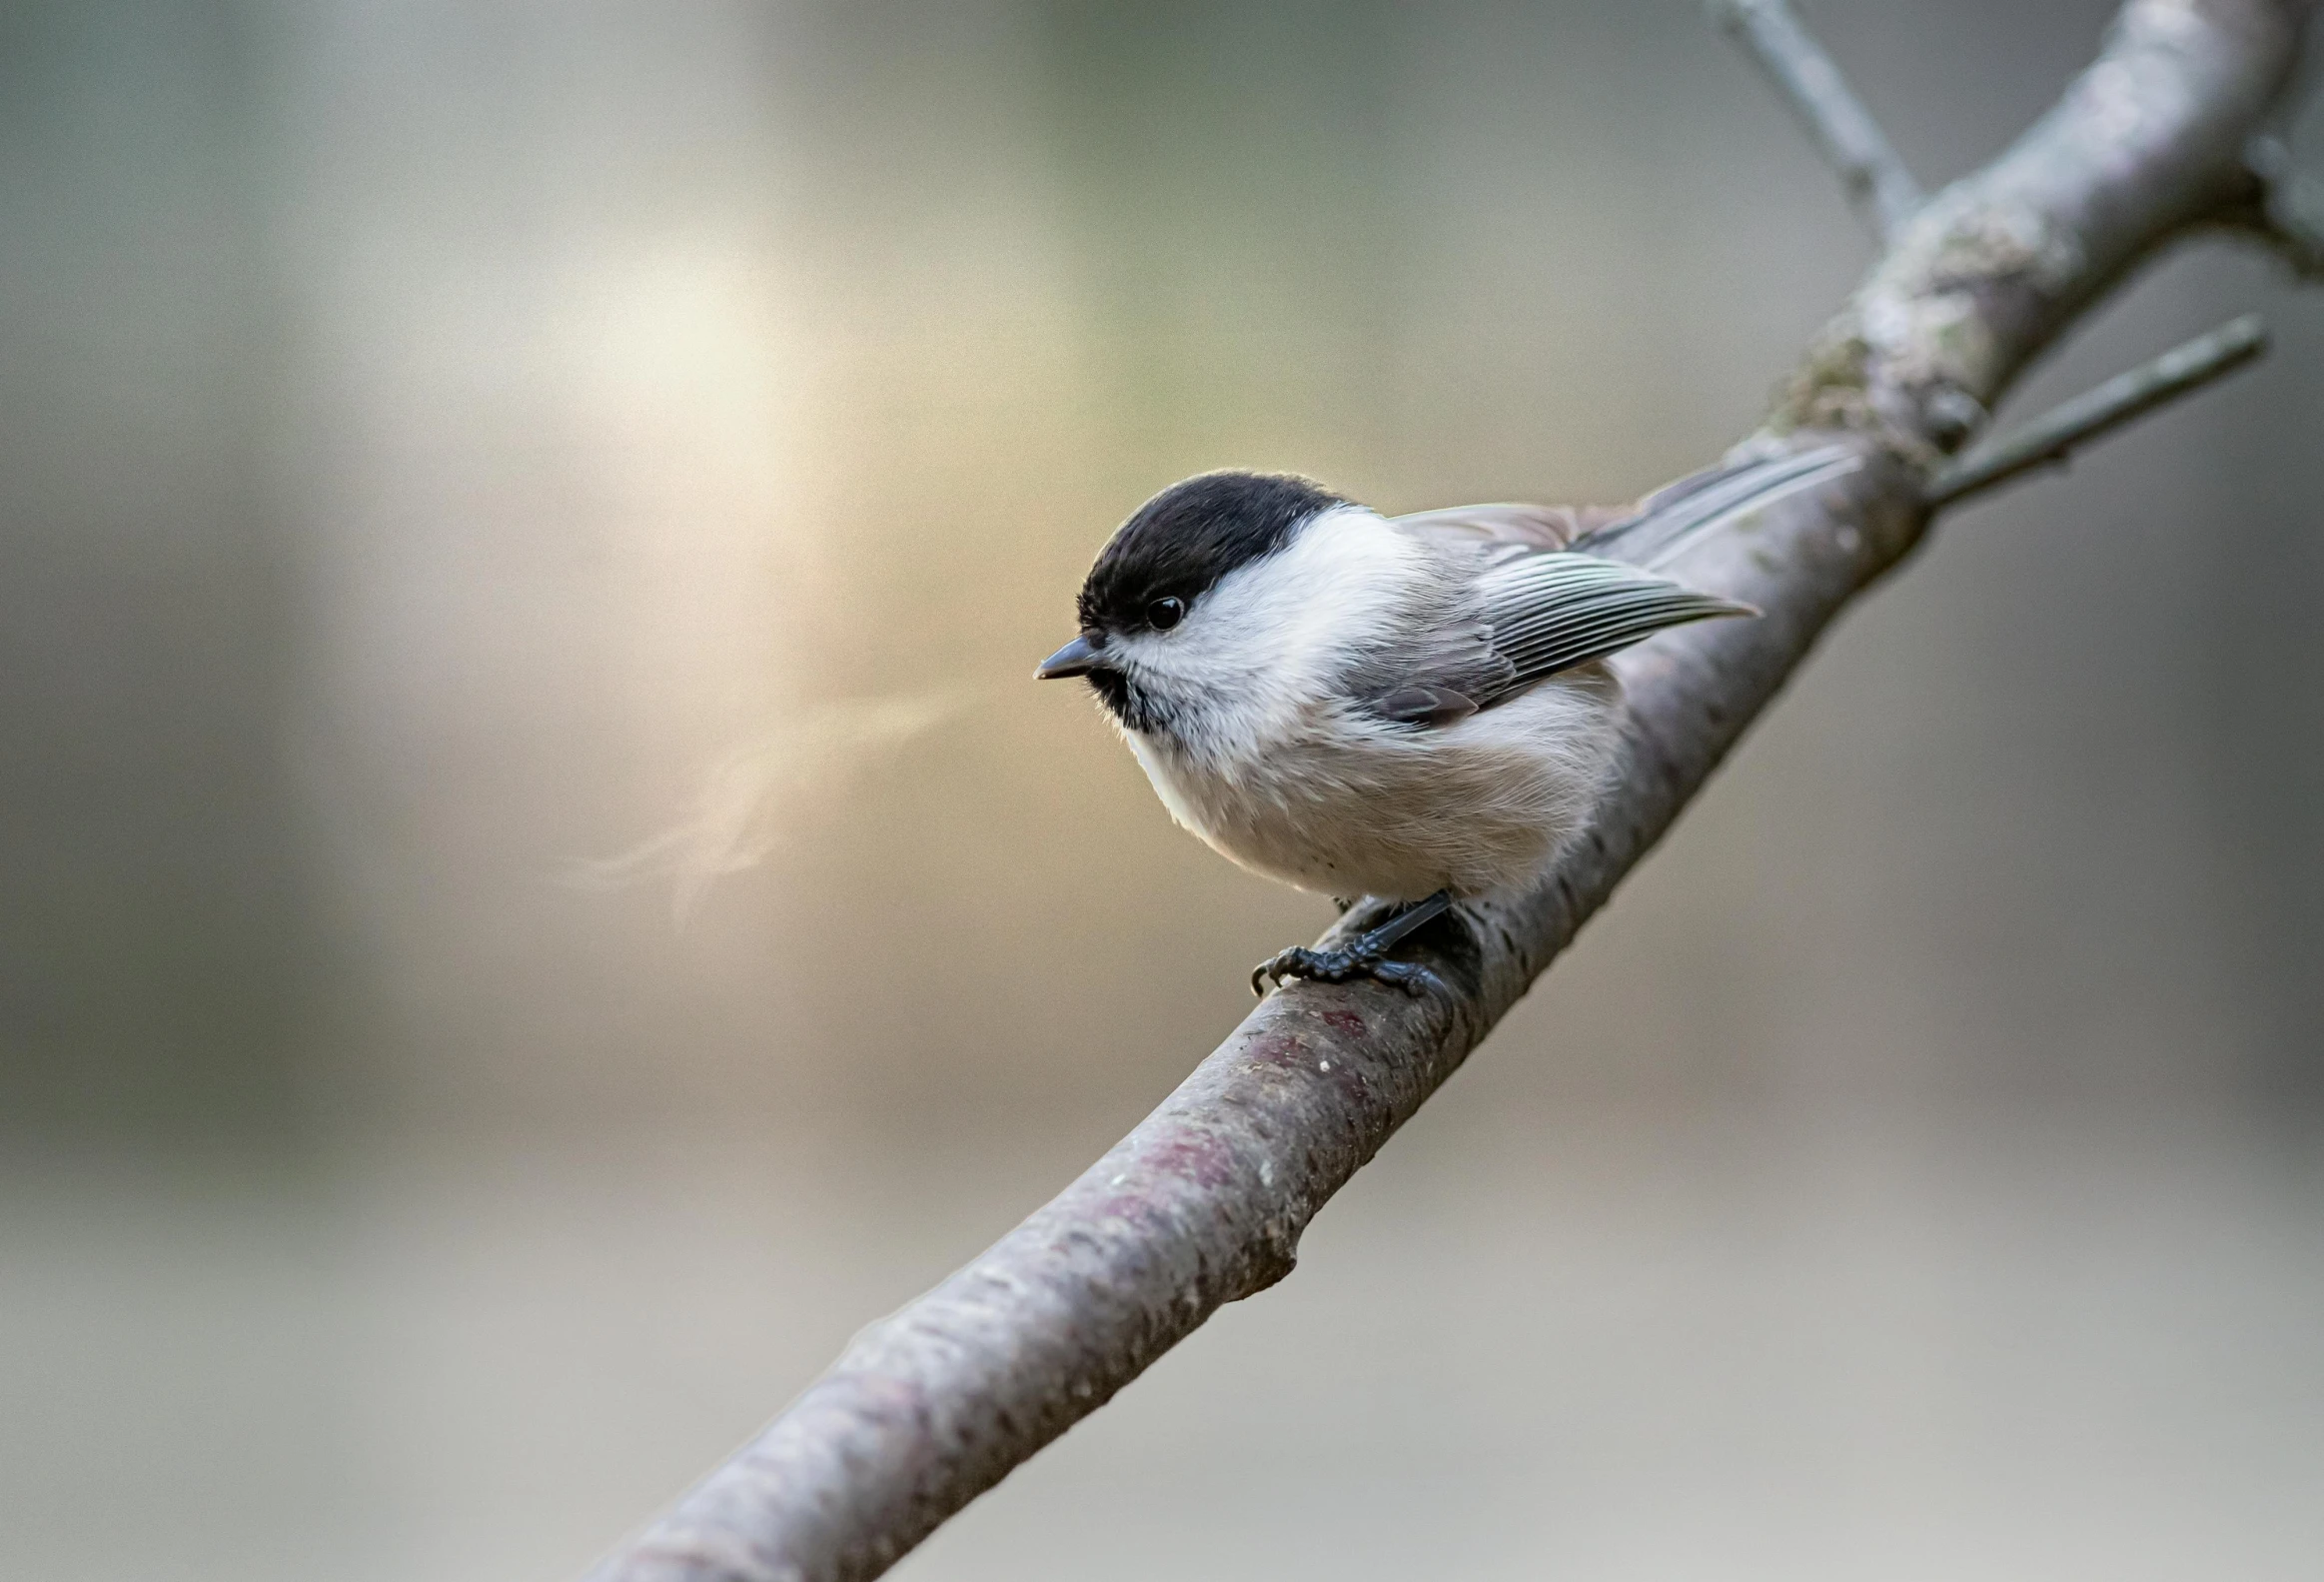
point(1364, 957)
point(1340, 967)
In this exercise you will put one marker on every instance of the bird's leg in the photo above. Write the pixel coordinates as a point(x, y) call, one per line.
point(1366, 956)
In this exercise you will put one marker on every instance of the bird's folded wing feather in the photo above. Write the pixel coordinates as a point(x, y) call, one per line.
point(1525, 620)
point(1558, 586)
point(1505, 530)
point(1551, 612)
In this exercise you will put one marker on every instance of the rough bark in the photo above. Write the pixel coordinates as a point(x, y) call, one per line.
point(1205, 1201)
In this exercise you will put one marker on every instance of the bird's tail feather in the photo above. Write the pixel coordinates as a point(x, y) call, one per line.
point(1674, 519)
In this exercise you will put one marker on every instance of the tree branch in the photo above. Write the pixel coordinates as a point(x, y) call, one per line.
point(1850, 141)
point(2054, 435)
point(1205, 1201)
point(2287, 211)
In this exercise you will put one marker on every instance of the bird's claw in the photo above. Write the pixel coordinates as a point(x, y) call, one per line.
point(1341, 967)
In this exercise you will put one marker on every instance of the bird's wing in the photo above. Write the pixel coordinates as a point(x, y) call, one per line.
point(1549, 613)
point(1501, 532)
point(1555, 586)
point(1523, 620)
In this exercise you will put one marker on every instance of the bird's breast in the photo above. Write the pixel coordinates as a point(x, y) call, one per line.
point(1348, 805)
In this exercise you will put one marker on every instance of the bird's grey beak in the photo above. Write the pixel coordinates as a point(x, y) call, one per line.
point(1077, 658)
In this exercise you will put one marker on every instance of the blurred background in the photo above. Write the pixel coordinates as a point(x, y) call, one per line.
point(437, 441)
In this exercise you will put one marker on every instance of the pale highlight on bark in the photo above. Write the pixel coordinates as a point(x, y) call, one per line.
point(1205, 1201)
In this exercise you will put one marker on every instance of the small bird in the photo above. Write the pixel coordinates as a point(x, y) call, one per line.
point(1409, 707)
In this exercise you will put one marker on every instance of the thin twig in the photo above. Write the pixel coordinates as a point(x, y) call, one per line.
point(1850, 141)
point(2290, 211)
point(2054, 435)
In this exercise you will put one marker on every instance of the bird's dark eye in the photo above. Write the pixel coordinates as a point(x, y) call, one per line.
point(1163, 613)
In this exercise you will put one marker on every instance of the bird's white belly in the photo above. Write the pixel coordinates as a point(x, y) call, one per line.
point(1349, 806)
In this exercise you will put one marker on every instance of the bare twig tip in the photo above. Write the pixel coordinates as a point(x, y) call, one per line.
point(1850, 141)
point(2057, 433)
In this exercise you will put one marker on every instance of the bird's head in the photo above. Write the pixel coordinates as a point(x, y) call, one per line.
point(1180, 617)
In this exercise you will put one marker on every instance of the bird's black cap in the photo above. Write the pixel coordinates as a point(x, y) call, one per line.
point(1189, 536)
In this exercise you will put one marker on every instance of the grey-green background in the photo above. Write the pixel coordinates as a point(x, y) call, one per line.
point(431, 435)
